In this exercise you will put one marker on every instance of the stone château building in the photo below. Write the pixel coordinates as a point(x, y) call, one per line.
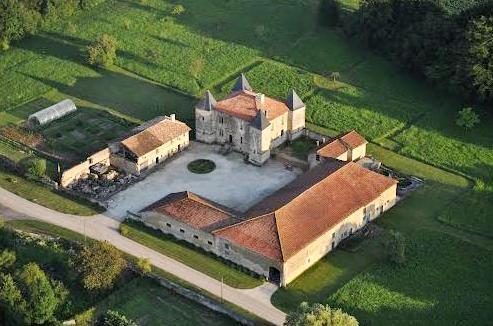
point(249, 122)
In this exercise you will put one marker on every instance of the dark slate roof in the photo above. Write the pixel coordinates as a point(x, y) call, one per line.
point(260, 122)
point(241, 84)
point(294, 102)
point(208, 102)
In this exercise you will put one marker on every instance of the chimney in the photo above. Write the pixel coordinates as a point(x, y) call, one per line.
point(260, 98)
point(323, 140)
point(318, 143)
point(172, 117)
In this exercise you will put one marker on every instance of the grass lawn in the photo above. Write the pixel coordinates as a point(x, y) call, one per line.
point(45, 196)
point(148, 303)
point(301, 147)
point(201, 166)
point(192, 257)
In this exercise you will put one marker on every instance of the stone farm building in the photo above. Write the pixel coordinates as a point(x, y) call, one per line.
point(146, 146)
point(249, 122)
point(288, 231)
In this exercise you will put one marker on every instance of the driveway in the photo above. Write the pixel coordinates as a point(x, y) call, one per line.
point(102, 227)
point(233, 183)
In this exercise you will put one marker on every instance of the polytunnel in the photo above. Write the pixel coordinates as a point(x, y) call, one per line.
point(54, 112)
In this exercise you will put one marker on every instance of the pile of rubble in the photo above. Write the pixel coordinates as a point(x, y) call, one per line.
point(101, 182)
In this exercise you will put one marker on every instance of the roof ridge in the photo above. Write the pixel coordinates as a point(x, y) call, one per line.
point(278, 235)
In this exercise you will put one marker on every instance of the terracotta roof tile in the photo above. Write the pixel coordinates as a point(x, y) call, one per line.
point(242, 104)
point(341, 144)
point(193, 210)
point(308, 207)
point(154, 134)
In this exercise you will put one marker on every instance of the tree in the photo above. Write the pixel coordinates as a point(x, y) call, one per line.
point(100, 264)
point(467, 118)
point(144, 265)
point(396, 248)
point(38, 294)
point(103, 51)
point(7, 258)
point(480, 55)
point(114, 318)
point(318, 314)
point(335, 76)
point(329, 12)
point(35, 167)
point(11, 301)
point(15, 21)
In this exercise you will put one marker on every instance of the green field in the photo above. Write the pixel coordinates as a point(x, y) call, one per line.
point(181, 251)
point(165, 62)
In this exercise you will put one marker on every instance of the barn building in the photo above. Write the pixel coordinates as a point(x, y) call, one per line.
point(287, 232)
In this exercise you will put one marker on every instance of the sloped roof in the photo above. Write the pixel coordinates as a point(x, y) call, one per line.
point(341, 144)
point(154, 134)
point(307, 208)
point(208, 102)
point(294, 102)
point(241, 84)
point(244, 105)
point(194, 210)
point(260, 122)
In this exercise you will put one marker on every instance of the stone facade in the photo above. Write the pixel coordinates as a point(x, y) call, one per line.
point(249, 122)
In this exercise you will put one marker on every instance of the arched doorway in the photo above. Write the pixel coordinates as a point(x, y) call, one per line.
point(274, 276)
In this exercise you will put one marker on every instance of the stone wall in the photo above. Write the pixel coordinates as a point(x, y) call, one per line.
point(79, 170)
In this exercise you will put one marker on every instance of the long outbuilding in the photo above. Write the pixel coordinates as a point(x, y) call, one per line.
point(52, 113)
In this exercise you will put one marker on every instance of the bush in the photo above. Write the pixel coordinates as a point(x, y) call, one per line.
point(114, 318)
point(396, 248)
point(177, 10)
point(124, 230)
point(467, 118)
point(35, 167)
point(318, 314)
point(102, 52)
point(144, 265)
point(100, 264)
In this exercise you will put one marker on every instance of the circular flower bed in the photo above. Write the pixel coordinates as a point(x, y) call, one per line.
point(201, 166)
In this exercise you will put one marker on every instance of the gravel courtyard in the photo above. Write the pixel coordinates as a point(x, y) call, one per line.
point(233, 183)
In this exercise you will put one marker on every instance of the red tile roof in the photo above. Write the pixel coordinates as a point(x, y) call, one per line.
point(341, 144)
point(307, 208)
point(193, 210)
point(243, 105)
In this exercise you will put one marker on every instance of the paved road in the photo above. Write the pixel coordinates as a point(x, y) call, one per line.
point(101, 227)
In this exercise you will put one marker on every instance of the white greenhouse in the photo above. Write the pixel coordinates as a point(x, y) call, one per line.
point(54, 112)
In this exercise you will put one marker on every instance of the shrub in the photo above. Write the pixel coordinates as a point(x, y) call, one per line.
point(103, 51)
point(396, 248)
point(318, 314)
point(114, 318)
point(124, 230)
point(177, 10)
point(35, 167)
point(144, 265)
point(100, 265)
point(467, 118)
point(7, 258)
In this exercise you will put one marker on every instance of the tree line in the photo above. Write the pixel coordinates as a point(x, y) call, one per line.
point(19, 18)
point(449, 48)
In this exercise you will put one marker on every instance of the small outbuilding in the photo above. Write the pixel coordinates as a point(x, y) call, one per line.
point(52, 113)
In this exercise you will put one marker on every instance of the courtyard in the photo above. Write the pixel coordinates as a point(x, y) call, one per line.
point(233, 183)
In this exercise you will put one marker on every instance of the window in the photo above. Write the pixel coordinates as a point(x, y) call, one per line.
point(226, 246)
point(333, 235)
point(282, 132)
point(222, 120)
point(90, 161)
point(168, 225)
point(209, 242)
point(195, 236)
point(351, 231)
point(182, 231)
point(317, 157)
point(364, 210)
point(202, 118)
point(241, 140)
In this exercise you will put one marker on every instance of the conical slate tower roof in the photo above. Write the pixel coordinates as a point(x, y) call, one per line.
point(294, 102)
point(260, 122)
point(241, 84)
point(208, 102)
